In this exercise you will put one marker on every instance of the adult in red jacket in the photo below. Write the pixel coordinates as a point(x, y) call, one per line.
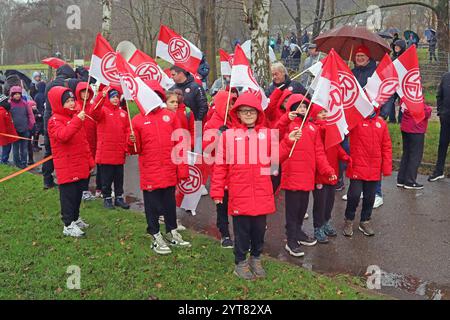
point(248, 177)
point(6, 124)
point(113, 130)
point(371, 151)
point(325, 190)
point(299, 171)
point(159, 173)
point(71, 156)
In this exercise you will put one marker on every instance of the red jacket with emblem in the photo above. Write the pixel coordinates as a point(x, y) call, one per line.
point(299, 171)
point(113, 130)
point(7, 127)
point(274, 111)
point(249, 184)
point(371, 150)
point(90, 125)
point(154, 146)
point(70, 149)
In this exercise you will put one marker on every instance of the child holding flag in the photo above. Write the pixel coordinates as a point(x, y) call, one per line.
point(71, 157)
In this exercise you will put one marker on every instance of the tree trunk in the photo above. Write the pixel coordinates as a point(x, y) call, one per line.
point(106, 19)
point(298, 20)
point(443, 31)
point(316, 20)
point(210, 41)
point(332, 10)
point(260, 41)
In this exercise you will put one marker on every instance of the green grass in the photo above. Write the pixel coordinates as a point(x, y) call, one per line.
point(36, 66)
point(116, 261)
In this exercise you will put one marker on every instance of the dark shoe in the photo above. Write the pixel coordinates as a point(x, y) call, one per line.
point(36, 148)
point(320, 235)
point(435, 177)
point(108, 204)
point(50, 186)
point(119, 202)
point(242, 270)
point(294, 250)
point(227, 243)
point(340, 186)
point(256, 267)
point(366, 228)
point(30, 163)
point(413, 186)
point(329, 230)
point(306, 240)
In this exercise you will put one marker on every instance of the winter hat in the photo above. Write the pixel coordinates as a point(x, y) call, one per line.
point(363, 49)
point(66, 96)
point(14, 90)
point(315, 110)
point(36, 74)
point(113, 93)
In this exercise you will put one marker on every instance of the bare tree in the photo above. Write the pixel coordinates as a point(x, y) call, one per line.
point(106, 18)
point(297, 18)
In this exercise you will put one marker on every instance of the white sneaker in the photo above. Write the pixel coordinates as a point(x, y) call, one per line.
point(87, 196)
point(159, 245)
point(175, 239)
point(306, 216)
point(344, 197)
point(204, 191)
point(191, 212)
point(378, 202)
point(81, 224)
point(180, 226)
point(73, 231)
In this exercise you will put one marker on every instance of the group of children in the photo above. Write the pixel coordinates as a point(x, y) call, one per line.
point(83, 128)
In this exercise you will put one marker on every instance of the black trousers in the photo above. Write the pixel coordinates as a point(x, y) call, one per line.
point(222, 217)
point(296, 206)
point(160, 202)
point(249, 235)
point(323, 204)
point(70, 199)
point(444, 140)
point(276, 180)
point(411, 158)
point(111, 174)
point(48, 167)
point(97, 180)
point(368, 188)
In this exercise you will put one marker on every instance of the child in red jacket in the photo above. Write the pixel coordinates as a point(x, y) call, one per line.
point(6, 127)
point(299, 171)
point(371, 151)
point(325, 189)
point(113, 130)
point(160, 171)
point(71, 157)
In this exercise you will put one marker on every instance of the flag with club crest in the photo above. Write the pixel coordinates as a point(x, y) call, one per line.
point(103, 63)
point(189, 192)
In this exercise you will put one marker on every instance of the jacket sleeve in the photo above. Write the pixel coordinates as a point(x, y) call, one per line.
point(138, 136)
point(97, 113)
point(62, 132)
point(285, 149)
point(271, 108)
point(283, 125)
point(386, 153)
point(385, 109)
point(202, 103)
point(322, 164)
point(31, 118)
point(220, 171)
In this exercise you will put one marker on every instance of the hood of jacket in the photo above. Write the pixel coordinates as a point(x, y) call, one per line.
point(55, 98)
point(82, 86)
point(66, 72)
point(250, 100)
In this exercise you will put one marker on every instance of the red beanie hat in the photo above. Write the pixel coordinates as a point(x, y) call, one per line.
point(363, 49)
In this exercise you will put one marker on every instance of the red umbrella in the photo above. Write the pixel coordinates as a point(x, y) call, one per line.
point(344, 40)
point(54, 62)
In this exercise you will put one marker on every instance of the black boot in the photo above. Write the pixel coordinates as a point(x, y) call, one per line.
point(119, 202)
point(108, 204)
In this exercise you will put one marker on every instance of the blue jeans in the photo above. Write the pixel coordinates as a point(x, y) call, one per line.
point(6, 150)
point(378, 192)
point(20, 150)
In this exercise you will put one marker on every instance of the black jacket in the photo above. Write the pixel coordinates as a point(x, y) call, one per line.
point(362, 74)
point(294, 86)
point(194, 97)
point(443, 97)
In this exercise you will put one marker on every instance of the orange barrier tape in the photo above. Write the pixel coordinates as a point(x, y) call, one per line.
point(16, 137)
point(18, 173)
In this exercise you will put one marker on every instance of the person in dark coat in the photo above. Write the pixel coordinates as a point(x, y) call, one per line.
point(194, 95)
point(65, 77)
point(203, 71)
point(281, 80)
point(39, 98)
point(432, 47)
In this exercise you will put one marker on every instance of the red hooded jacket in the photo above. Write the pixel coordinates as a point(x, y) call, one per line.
point(154, 146)
point(90, 125)
point(113, 131)
point(371, 150)
point(274, 111)
point(70, 149)
point(299, 171)
point(7, 127)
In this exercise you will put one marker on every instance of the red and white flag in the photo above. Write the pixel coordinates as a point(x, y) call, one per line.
point(410, 83)
point(383, 83)
point(242, 76)
point(103, 63)
point(328, 95)
point(145, 67)
point(134, 88)
point(178, 51)
point(55, 63)
point(355, 102)
point(226, 62)
point(189, 192)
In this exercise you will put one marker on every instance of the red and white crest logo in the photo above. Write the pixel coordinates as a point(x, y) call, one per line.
point(131, 85)
point(149, 71)
point(109, 69)
point(179, 50)
point(412, 87)
point(349, 89)
point(194, 183)
point(334, 104)
point(387, 88)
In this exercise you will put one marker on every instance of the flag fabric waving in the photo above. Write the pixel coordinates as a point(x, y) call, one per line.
point(145, 67)
point(226, 62)
point(134, 88)
point(103, 63)
point(178, 51)
point(55, 63)
point(383, 83)
point(410, 83)
point(242, 76)
point(328, 95)
point(189, 192)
